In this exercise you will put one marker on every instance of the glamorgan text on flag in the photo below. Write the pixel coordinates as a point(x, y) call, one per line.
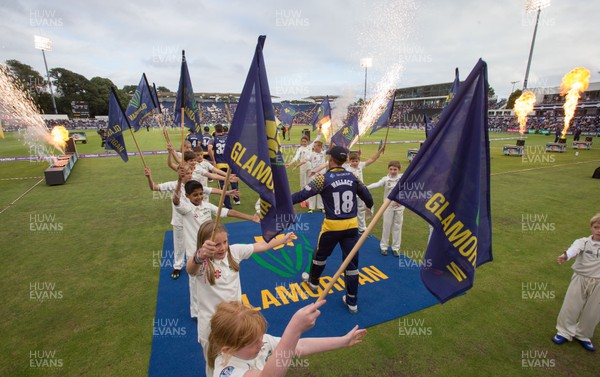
point(448, 185)
point(117, 123)
point(141, 105)
point(253, 151)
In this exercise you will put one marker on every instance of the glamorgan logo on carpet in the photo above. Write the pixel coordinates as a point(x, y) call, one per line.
point(289, 261)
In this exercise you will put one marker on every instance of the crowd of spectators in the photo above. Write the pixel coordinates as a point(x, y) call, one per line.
point(406, 115)
point(69, 124)
point(557, 99)
point(587, 124)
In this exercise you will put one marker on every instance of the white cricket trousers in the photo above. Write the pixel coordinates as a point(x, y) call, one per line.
point(178, 247)
point(580, 312)
point(392, 223)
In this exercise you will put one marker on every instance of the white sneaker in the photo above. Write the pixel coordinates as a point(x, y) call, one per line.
point(353, 309)
point(305, 278)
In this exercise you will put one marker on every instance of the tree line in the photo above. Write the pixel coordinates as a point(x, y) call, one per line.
point(69, 86)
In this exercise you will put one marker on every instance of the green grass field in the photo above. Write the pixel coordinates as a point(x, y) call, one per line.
point(81, 269)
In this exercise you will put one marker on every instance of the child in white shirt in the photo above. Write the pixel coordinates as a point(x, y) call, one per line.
point(394, 214)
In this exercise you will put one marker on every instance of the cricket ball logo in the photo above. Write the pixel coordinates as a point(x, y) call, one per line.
point(287, 260)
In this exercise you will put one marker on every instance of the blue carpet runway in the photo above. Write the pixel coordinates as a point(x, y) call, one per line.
point(390, 288)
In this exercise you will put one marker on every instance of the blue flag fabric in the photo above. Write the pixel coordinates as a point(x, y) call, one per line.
point(454, 87)
point(117, 123)
point(428, 126)
point(384, 119)
point(141, 105)
point(155, 96)
point(448, 184)
point(287, 114)
point(186, 100)
point(253, 150)
point(346, 134)
point(322, 115)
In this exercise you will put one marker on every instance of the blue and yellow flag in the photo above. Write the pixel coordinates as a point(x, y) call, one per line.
point(141, 105)
point(454, 87)
point(322, 115)
point(448, 184)
point(287, 114)
point(186, 100)
point(346, 134)
point(117, 123)
point(253, 150)
point(384, 119)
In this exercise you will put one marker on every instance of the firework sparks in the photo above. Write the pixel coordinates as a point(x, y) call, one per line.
point(573, 83)
point(523, 106)
point(17, 105)
point(383, 37)
point(377, 104)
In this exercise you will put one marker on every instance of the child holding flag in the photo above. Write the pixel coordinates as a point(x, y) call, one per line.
point(239, 346)
point(195, 211)
point(201, 170)
point(394, 213)
point(204, 172)
point(355, 166)
point(184, 171)
point(219, 263)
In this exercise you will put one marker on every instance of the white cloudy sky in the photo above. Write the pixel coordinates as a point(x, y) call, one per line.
point(313, 47)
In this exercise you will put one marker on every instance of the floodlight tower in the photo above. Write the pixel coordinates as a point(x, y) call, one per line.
point(42, 43)
point(366, 63)
point(533, 5)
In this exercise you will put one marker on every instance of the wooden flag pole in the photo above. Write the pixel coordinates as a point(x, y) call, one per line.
point(386, 137)
point(208, 269)
point(182, 132)
point(354, 250)
point(164, 130)
point(138, 147)
point(389, 122)
point(221, 200)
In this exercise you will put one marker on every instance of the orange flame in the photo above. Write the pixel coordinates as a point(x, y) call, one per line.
point(59, 137)
point(573, 83)
point(326, 131)
point(523, 106)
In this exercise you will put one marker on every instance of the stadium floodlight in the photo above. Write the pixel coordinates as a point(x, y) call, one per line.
point(45, 44)
point(513, 86)
point(533, 5)
point(366, 63)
